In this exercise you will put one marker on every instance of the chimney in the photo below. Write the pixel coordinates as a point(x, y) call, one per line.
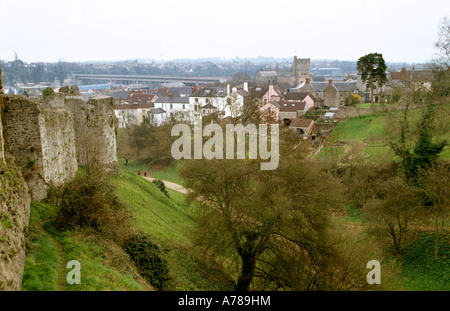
point(246, 86)
point(330, 81)
point(194, 89)
point(228, 89)
point(307, 80)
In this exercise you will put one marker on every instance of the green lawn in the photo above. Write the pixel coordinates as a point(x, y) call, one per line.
point(367, 127)
point(169, 173)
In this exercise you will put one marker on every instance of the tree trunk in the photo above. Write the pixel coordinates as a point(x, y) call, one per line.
point(248, 267)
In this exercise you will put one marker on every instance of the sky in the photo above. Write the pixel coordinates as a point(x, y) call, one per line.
point(112, 30)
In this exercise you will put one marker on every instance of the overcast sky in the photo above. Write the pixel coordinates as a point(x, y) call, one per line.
point(83, 30)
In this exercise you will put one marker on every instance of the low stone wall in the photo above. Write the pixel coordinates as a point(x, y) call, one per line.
point(350, 111)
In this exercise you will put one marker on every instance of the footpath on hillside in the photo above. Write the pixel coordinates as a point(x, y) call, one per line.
point(170, 185)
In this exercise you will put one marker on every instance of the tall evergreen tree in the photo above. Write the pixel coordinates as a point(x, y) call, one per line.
point(373, 69)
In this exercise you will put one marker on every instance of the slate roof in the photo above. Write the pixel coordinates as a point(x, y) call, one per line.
point(340, 86)
point(120, 95)
point(295, 106)
point(140, 97)
point(345, 86)
point(210, 92)
point(173, 100)
point(268, 73)
point(319, 86)
point(134, 106)
point(296, 95)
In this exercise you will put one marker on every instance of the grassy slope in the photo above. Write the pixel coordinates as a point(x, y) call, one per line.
point(169, 221)
point(104, 265)
point(370, 130)
point(49, 251)
point(167, 173)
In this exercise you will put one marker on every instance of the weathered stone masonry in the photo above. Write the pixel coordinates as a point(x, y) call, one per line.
point(42, 140)
point(47, 138)
point(40, 144)
point(14, 217)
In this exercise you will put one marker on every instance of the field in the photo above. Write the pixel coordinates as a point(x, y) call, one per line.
point(370, 131)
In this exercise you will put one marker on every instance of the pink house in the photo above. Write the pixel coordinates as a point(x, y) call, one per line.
point(274, 93)
point(271, 111)
point(300, 96)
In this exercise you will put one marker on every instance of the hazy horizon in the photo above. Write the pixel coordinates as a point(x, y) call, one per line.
point(95, 31)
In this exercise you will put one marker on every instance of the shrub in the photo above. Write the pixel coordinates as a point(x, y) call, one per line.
point(147, 257)
point(47, 92)
point(160, 185)
point(90, 201)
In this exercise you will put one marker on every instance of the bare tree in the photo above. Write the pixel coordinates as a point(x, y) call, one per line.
point(443, 43)
point(395, 205)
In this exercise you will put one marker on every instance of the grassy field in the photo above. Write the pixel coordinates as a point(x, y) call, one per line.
point(370, 131)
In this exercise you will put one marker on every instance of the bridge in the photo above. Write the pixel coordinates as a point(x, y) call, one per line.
point(136, 79)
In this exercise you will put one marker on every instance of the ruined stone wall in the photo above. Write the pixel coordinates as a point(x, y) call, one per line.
point(59, 155)
point(22, 139)
point(94, 129)
point(14, 217)
point(41, 140)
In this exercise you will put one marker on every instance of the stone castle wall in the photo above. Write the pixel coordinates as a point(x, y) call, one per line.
point(14, 217)
point(42, 141)
point(50, 138)
point(94, 129)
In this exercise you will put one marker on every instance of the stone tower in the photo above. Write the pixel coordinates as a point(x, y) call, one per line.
point(301, 68)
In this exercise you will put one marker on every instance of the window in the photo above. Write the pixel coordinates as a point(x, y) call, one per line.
point(207, 100)
point(196, 100)
point(269, 109)
point(171, 106)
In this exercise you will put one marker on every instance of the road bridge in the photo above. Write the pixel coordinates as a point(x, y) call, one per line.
point(136, 79)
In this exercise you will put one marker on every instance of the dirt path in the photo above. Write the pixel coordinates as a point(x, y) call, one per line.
point(171, 185)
